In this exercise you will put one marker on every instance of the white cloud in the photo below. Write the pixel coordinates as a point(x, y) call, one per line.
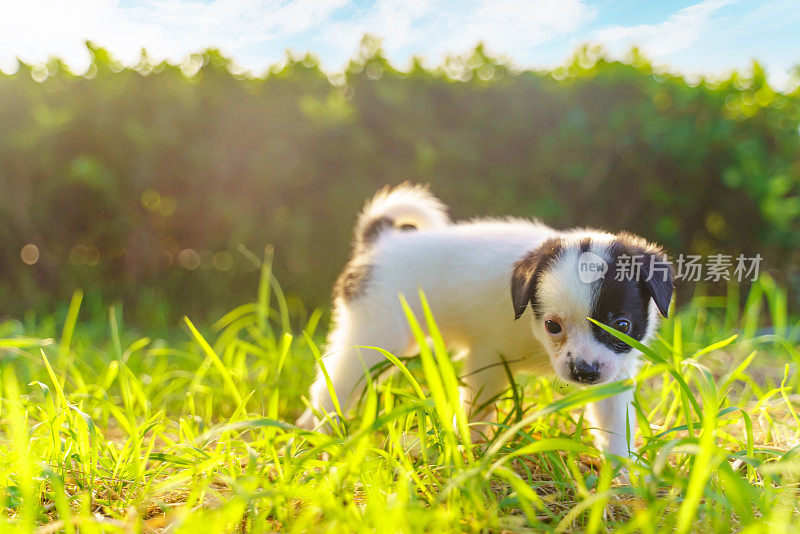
point(34, 30)
point(508, 25)
point(437, 28)
point(399, 23)
point(678, 32)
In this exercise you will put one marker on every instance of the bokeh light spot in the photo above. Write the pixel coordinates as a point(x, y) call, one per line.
point(29, 254)
point(39, 73)
point(189, 259)
point(93, 257)
point(79, 255)
point(167, 206)
point(223, 261)
point(716, 224)
point(662, 100)
point(151, 199)
point(116, 253)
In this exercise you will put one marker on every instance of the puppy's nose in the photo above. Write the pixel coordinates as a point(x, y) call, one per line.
point(585, 372)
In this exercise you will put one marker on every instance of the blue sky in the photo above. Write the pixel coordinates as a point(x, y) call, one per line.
point(708, 37)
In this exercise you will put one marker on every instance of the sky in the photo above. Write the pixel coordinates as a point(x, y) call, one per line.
point(709, 37)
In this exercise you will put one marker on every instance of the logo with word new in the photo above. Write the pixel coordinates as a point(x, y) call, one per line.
point(591, 267)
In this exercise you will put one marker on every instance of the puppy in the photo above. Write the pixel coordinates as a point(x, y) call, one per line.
point(480, 277)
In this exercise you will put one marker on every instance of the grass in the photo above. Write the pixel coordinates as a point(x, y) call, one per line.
point(102, 430)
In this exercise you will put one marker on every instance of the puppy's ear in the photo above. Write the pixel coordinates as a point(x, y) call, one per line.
point(527, 271)
point(658, 276)
point(522, 284)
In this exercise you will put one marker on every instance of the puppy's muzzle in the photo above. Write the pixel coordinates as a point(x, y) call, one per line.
point(584, 372)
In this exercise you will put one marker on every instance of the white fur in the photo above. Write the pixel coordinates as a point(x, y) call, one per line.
point(407, 204)
point(464, 270)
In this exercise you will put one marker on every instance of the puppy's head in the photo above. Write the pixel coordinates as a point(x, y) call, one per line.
point(618, 280)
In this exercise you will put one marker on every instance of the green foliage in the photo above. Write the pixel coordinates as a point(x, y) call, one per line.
point(102, 430)
point(127, 179)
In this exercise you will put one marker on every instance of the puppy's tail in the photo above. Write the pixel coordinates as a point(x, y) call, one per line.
point(406, 207)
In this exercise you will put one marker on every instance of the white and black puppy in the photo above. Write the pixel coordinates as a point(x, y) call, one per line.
point(479, 277)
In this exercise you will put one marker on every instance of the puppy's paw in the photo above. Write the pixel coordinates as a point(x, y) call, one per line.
point(623, 477)
point(307, 420)
point(411, 445)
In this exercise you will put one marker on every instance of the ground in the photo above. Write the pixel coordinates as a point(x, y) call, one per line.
point(106, 430)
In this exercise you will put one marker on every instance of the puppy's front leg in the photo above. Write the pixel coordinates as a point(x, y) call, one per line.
point(479, 388)
point(610, 418)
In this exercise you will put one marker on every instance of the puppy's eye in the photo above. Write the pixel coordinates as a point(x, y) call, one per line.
point(552, 326)
point(623, 325)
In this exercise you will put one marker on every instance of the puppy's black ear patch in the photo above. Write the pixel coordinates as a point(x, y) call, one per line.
point(527, 272)
point(657, 275)
point(659, 280)
point(522, 284)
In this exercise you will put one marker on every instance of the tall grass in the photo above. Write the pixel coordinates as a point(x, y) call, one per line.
point(107, 431)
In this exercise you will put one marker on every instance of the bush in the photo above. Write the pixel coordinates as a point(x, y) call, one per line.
point(144, 184)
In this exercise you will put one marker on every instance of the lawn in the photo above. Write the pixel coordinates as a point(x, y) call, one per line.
point(104, 430)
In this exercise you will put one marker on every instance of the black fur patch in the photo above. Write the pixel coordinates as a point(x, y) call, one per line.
point(623, 294)
point(356, 274)
point(373, 228)
point(527, 273)
point(353, 280)
point(620, 300)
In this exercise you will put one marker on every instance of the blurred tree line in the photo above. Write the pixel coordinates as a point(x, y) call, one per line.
point(146, 184)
